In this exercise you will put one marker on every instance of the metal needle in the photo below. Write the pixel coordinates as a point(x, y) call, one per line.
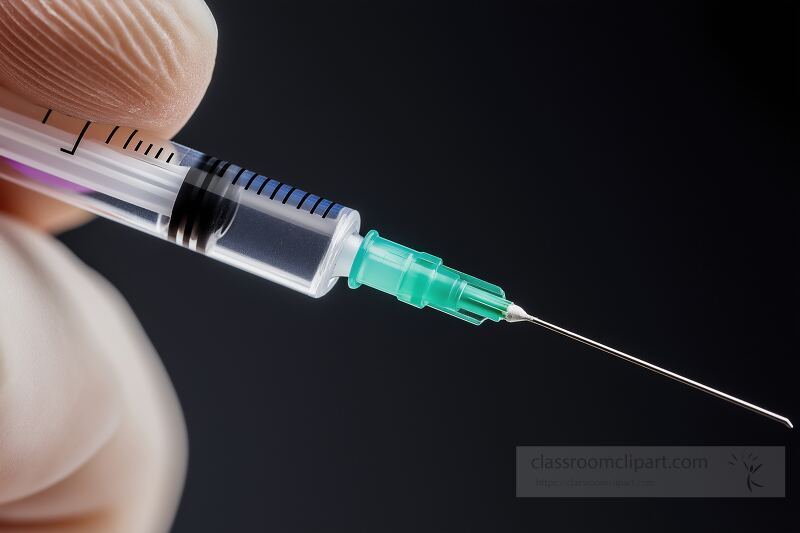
point(517, 314)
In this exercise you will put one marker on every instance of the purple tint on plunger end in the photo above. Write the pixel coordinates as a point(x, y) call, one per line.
point(43, 177)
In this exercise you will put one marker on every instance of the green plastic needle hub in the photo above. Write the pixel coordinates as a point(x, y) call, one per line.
point(421, 280)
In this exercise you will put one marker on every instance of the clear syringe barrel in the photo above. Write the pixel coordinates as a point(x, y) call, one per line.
point(259, 224)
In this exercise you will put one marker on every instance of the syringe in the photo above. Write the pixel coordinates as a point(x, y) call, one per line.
point(272, 229)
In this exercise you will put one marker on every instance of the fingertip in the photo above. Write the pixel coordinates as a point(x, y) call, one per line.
point(142, 64)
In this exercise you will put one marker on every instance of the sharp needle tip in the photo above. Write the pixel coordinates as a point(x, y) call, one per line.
point(515, 313)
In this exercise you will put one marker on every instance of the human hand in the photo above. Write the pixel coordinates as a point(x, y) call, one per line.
point(91, 434)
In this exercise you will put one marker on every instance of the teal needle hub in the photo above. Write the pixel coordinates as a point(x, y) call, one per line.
point(421, 279)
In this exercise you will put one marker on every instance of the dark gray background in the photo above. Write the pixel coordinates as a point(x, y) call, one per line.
point(624, 169)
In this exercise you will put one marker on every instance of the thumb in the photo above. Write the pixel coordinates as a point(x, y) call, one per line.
point(91, 434)
point(139, 63)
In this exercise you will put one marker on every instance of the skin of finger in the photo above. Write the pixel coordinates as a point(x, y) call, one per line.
point(37, 210)
point(91, 429)
point(143, 64)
